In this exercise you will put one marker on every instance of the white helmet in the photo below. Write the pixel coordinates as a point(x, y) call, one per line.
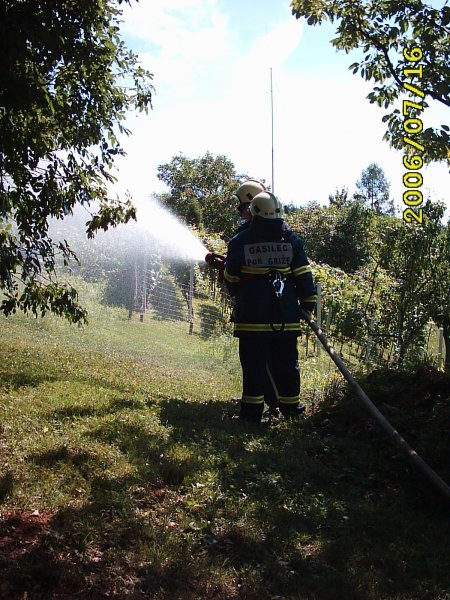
point(267, 206)
point(248, 190)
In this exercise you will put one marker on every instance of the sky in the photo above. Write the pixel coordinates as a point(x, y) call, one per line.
point(212, 62)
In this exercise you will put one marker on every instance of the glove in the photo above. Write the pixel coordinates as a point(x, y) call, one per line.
point(306, 314)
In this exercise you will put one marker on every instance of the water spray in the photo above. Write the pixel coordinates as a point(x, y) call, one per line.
point(167, 234)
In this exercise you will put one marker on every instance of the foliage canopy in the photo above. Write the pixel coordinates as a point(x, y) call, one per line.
point(67, 82)
point(201, 191)
point(373, 188)
point(379, 273)
point(338, 235)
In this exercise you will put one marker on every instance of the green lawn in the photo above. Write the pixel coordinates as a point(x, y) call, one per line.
point(122, 475)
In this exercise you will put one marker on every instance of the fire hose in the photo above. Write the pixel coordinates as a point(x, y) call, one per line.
point(218, 261)
point(401, 444)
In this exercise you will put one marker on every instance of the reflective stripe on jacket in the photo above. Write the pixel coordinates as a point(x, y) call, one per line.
point(257, 256)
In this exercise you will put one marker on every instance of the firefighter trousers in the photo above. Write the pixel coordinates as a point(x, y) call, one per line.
point(277, 356)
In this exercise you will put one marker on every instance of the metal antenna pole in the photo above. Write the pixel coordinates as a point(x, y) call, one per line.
point(271, 111)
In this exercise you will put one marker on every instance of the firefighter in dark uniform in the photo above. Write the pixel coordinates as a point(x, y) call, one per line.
point(244, 195)
point(268, 274)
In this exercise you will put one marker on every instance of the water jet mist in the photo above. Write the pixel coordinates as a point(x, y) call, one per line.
point(160, 228)
point(156, 232)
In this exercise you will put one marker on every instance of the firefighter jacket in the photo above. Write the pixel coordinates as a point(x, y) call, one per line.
point(245, 225)
point(268, 274)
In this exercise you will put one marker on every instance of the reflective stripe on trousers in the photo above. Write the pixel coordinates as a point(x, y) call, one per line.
point(281, 356)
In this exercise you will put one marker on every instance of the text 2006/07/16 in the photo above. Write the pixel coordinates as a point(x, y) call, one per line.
point(412, 126)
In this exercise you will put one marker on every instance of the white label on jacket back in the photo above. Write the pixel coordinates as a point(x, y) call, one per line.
point(268, 254)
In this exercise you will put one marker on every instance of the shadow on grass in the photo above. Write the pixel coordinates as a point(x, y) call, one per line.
point(61, 454)
point(121, 542)
point(332, 509)
point(87, 552)
point(319, 509)
point(116, 405)
point(6, 486)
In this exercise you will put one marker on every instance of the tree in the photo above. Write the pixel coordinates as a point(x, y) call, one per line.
point(395, 36)
point(290, 208)
point(338, 235)
point(417, 259)
point(355, 304)
point(440, 304)
point(374, 189)
point(201, 191)
point(339, 198)
point(66, 83)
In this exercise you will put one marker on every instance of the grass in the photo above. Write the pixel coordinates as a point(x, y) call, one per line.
point(122, 475)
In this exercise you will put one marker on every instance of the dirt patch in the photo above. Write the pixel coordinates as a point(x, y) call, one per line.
point(21, 534)
point(21, 531)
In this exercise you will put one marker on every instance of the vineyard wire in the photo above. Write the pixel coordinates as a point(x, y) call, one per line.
point(206, 308)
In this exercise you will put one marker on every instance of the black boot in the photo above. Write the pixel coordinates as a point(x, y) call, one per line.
point(251, 413)
point(274, 411)
point(292, 411)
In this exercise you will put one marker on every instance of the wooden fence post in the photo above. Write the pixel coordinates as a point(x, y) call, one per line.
point(319, 311)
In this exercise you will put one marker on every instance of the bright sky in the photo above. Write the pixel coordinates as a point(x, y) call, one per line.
point(211, 61)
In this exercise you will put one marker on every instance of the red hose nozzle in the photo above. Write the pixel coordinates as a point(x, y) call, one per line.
point(217, 261)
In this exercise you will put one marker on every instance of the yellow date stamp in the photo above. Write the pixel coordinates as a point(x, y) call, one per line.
point(413, 126)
